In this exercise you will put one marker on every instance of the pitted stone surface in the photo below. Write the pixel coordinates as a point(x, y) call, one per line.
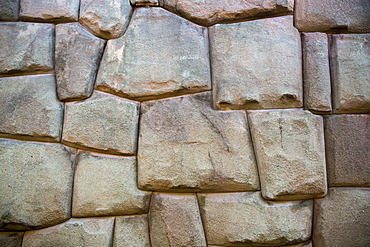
point(104, 123)
point(9, 10)
point(316, 72)
point(174, 220)
point(208, 13)
point(106, 185)
point(160, 55)
point(36, 184)
point(350, 68)
point(289, 146)
point(30, 108)
point(74, 232)
point(77, 56)
point(131, 231)
point(256, 64)
point(107, 19)
point(343, 218)
point(144, 2)
point(184, 145)
point(49, 10)
point(245, 219)
point(11, 239)
point(26, 47)
point(326, 15)
point(347, 139)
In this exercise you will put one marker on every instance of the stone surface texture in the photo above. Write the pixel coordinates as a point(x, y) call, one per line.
point(252, 221)
point(133, 68)
point(316, 72)
point(107, 19)
point(26, 47)
point(49, 10)
point(326, 15)
point(106, 185)
point(11, 239)
point(350, 71)
point(290, 152)
point(144, 2)
point(131, 231)
point(36, 184)
point(342, 218)
point(174, 220)
point(9, 10)
point(74, 232)
point(184, 145)
point(347, 139)
point(247, 71)
point(104, 122)
point(208, 13)
point(30, 108)
point(77, 57)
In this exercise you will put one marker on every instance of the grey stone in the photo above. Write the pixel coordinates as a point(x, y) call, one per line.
point(174, 220)
point(106, 185)
point(256, 64)
point(107, 19)
point(186, 146)
point(103, 123)
point(316, 72)
point(326, 15)
point(305, 244)
point(350, 71)
point(9, 10)
point(131, 231)
point(49, 10)
point(11, 239)
point(245, 219)
point(144, 2)
point(347, 139)
point(74, 232)
point(26, 47)
point(30, 108)
point(290, 151)
point(342, 218)
point(36, 184)
point(208, 13)
point(77, 57)
point(160, 55)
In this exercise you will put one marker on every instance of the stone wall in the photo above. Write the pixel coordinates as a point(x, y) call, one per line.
point(185, 123)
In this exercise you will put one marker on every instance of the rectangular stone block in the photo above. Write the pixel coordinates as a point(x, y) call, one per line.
point(131, 231)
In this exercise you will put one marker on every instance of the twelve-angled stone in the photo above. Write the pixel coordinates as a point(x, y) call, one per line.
point(131, 231)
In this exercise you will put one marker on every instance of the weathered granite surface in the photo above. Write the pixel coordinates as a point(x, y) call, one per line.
point(131, 231)
point(11, 239)
point(9, 10)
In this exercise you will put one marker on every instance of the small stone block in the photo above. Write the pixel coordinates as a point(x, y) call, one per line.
point(131, 231)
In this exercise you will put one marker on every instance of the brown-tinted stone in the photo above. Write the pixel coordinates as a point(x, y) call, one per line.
point(347, 139)
point(9, 10)
point(174, 220)
point(342, 218)
point(11, 239)
point(77, 56)
point(350, 71)
point(290, 151)
point(144, 2)
point(186, 146)
point(131, 231)
point(36, 184)
point(256, 64)
point(160, 55)
point(245, 219)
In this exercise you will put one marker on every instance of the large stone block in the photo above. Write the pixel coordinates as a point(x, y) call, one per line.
point(77, 57)
point(326, 15)
point(106, 19)
point(245, 219)
point(208, 13)
point(74, 232)
point(350, 71)
point(9, 10)
point(160, 55)
point(174, 220)
point(49, 10)
point(342, 218)
point(26, 47)
point(11, 239)
point(103, 123)
point(290, 151)
point(316, 72)
point(36, 184)
point(30, 108)
point(131, 231)
point(106, 185)
point(185, 146)
point(347, 139)
point(256, 64)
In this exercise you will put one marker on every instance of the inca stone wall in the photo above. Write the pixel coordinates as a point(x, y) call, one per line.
point(185, 123)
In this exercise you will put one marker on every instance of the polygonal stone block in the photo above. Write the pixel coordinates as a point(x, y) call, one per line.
point(131, 231)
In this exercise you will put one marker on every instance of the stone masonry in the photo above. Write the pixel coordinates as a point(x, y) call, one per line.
point(184, 123)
